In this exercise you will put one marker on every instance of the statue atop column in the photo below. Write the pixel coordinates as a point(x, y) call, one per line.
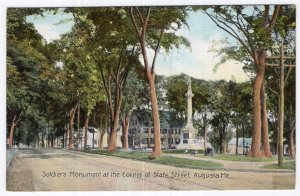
point(188, 81)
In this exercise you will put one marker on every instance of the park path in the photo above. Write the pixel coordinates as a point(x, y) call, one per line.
point(234, 165)
point(29, 170)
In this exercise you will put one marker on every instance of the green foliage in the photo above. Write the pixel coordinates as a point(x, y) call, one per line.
point(103, 49)
point(132, 93)
point(287, 20)
point(19, 29)
point(253, 29)
point(230, 103)
point(176, 88)
point(23, 81)
point(30, 77)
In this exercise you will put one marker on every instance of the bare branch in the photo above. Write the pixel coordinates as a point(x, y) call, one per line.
point(233, 34)
point(258, 11)
point(250, 41)
point(18, 120)
point(247, 20)
point(274, 17)
point(273, 91)
point(266, 15)
point(140, 15)
point(127, 68)
point(111, 73)
point(110, 105)
point(212, 18)
point(120, 58)
point(102, 76)
point(287, 75)
point(134, 21)
point(146, 22)
point(156, 50)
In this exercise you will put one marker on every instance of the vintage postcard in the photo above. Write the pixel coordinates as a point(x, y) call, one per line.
point(151, 98)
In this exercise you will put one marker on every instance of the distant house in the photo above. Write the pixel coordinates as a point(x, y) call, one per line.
point(142, 136)
point(243, 145)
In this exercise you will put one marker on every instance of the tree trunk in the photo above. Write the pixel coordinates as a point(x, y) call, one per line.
point(93, 139)
point(205, 131)
point(43, 142)
point(237, 141)
point(48, 141)
point(102, 133)
point(291, 133)
point(63, 144)
point(71, 124)
point(266, 152)
point(156, 123)
point(224, 140)
point(256, 129)
point(125, 127)
point(149, 133)
point(52, 142)
point(66, 139)
point(281, 111)
point(275, 139)
point(37, 141)
point(11, 131)
point(123, 132)
point(244, 151)
point(221, 140)
point(78, 126)
point(113, 135)
point(11, 134)
point(150, 73)
point(86, 127)
point(292, 144)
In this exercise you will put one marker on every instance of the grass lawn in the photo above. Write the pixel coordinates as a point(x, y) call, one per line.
point(182, 151)
point(286, 165)
point(164, 159)
point(189, 163)
point(241, 158)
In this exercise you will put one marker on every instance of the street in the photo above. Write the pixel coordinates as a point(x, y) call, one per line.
point(62, 170)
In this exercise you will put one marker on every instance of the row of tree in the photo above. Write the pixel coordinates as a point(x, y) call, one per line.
point(102, 68)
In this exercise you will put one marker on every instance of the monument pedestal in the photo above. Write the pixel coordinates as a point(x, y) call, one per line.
point(188, 139)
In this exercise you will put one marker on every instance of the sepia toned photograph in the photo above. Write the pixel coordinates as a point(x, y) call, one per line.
point(151, 98)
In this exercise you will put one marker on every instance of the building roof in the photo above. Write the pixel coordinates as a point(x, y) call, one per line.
point(247, 142)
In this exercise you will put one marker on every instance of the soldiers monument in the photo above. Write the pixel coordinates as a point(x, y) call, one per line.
point(188, 134)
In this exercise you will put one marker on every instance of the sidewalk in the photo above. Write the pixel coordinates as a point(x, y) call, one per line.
point(236, 165)
point(10, 154)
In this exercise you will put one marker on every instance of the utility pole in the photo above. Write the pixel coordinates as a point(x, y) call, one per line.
point(282, 83)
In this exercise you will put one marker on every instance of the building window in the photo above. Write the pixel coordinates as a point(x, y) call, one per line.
point(151, 140)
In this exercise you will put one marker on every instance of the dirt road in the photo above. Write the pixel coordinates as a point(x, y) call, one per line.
point(60, 170)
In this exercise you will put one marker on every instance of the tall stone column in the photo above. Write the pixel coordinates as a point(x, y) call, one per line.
point(188, 132)
point(189, 95)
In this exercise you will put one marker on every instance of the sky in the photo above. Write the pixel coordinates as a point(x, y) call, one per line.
point(196, 61)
